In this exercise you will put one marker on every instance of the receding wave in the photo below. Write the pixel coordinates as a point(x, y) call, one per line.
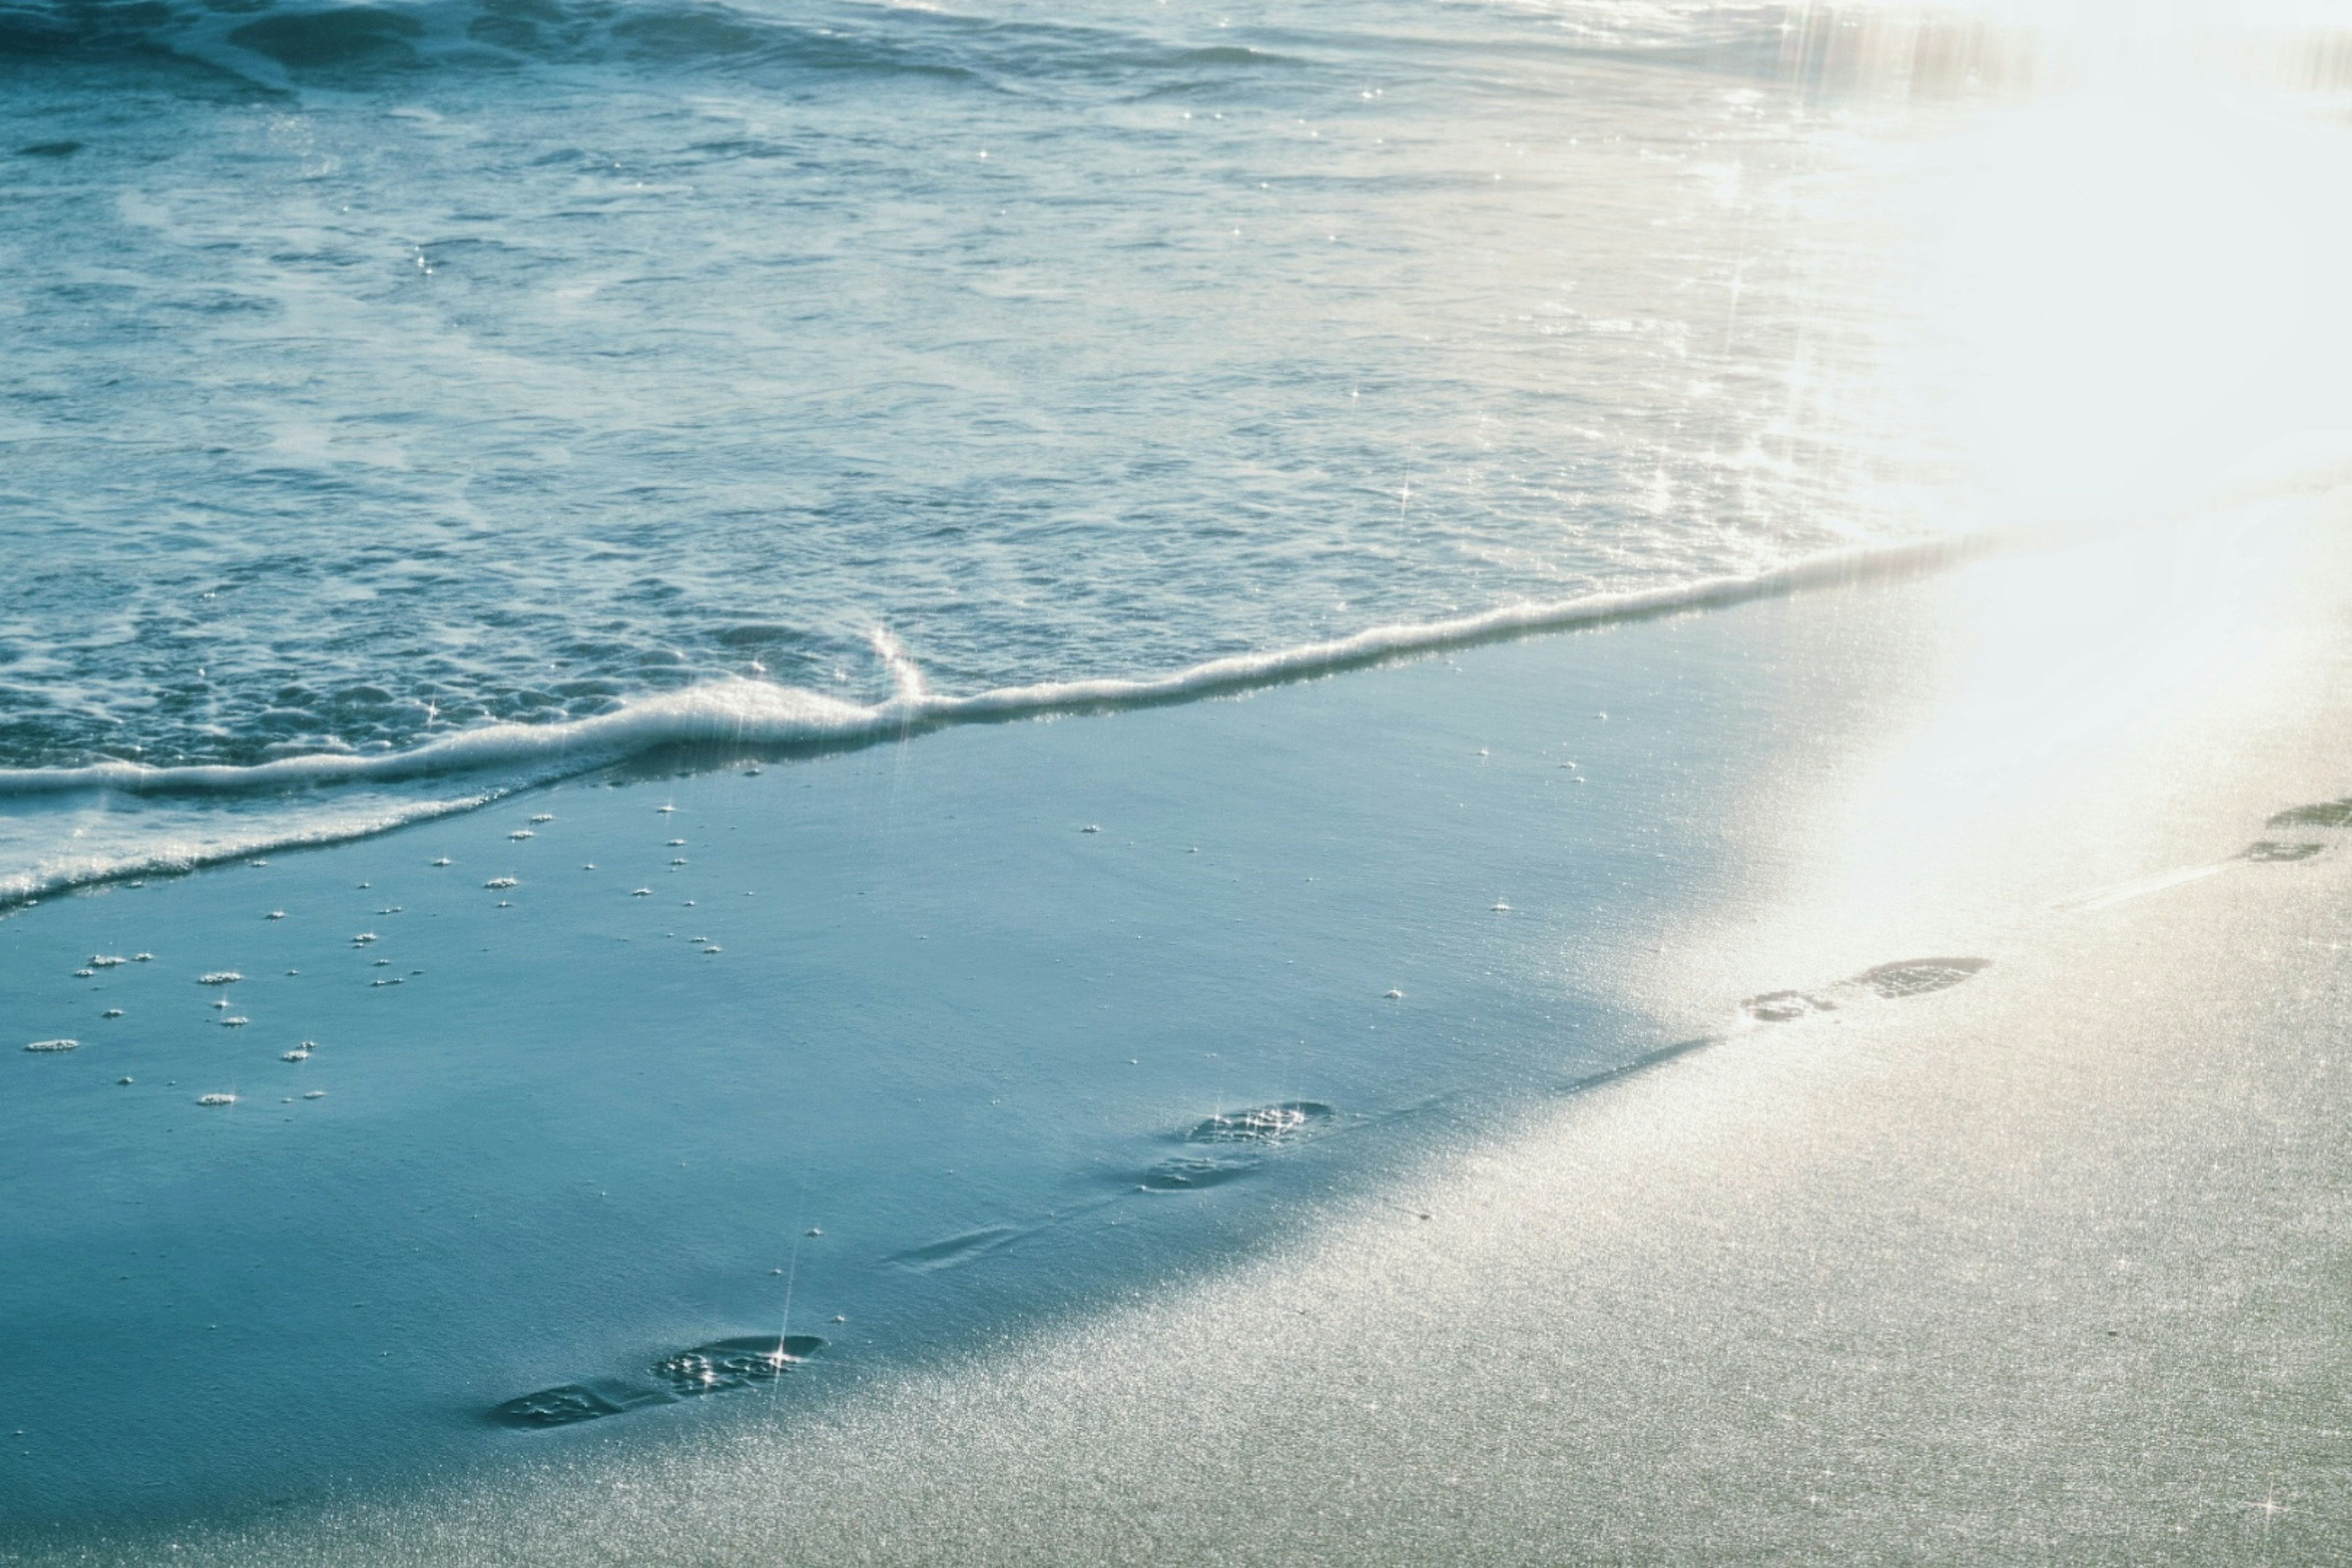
point(485, 763)
point(289, 44)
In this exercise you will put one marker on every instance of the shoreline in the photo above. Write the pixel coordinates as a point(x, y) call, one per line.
point(728, 723)
point(1799, 1156)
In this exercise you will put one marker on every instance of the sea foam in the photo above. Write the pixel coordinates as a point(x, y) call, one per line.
point(495, 760)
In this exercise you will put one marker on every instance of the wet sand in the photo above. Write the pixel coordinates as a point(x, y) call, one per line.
point(1996, 1210)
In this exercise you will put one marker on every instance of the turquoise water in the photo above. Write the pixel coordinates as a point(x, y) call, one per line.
point(378, 374)
point(912, 1049)
point(616, 463)
point(408, 403)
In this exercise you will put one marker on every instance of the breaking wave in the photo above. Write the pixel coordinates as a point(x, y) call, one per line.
point(748, 716)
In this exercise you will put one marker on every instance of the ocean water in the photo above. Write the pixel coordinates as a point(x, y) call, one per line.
point(380, 374)
point(608, 459)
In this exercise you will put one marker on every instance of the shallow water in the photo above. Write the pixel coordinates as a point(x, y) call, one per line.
point(947, 1040)
point(408, 405)
point(380, 373)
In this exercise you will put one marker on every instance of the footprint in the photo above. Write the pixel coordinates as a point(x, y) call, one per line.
point(2269, 849)
point(1918, 976)
point(575, 1401)
point(2321, 814)
point(1910, 977)
point(1261, 1124)
point(1785, 1006)
point(723, 1364)
point(1258, 1130)
point(713, 1368)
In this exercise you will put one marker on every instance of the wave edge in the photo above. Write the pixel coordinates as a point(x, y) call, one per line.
point(751, 713)
point(754, 715)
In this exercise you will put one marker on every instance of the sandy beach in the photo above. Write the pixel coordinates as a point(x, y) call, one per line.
point(1032, 783)
point(1980, 1200)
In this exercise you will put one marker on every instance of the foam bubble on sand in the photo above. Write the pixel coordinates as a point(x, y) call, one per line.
point(220, 977)
point(53, 1046)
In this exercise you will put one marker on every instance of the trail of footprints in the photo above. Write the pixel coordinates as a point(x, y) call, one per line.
point(1916, 977)
point(1220, 1148)
point(719, 1367)
point(2326, 815)
point(1237, 1142)
point(1910, 977)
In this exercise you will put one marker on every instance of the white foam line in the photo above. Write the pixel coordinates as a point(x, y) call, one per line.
point(1379, 643)
point(175, 856)
point(723, 710)
point(755, 713)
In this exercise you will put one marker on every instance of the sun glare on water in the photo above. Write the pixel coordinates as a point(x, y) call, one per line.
point(2111, 325)
point(2128, 288)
